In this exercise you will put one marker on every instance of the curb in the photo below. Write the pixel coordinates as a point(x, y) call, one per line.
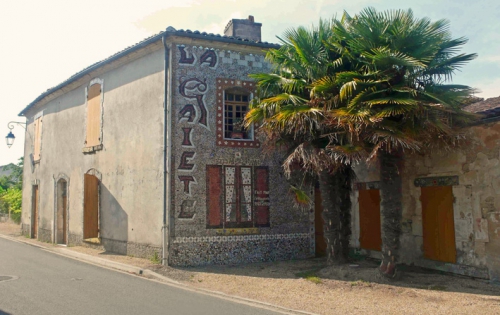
point(149, 274)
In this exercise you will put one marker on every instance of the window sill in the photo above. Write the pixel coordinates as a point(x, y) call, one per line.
point(237, 231)
point(93, 149)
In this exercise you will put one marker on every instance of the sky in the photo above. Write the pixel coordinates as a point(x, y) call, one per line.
point(42, 43)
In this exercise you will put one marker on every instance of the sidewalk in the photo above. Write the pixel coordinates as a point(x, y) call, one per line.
point(307, 285)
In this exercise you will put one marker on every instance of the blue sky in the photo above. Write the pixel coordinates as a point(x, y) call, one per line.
point(45, 42)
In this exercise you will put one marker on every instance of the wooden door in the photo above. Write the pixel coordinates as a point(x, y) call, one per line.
point(62, 208)
point(319, 224)
point(65, 216)
point(91, 207)
point(370, 235)
point(438, 224)
point(34, 212)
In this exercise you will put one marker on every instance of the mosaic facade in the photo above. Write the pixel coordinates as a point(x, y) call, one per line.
point(231, 203)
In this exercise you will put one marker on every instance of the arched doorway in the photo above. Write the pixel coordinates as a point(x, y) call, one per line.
point(62, 212)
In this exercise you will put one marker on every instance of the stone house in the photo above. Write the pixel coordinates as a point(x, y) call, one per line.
point(143, 154)
point(451, 220)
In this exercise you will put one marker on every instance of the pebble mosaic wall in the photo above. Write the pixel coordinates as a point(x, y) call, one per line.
point(200, 75)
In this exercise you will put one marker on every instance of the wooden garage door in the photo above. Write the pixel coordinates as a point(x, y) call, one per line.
point(437, 223)
point(91, 207)
point(369, 219)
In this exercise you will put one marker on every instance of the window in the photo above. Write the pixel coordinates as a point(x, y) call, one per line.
point(237, 196)
point(37, 145)
point(93, 139)
point(235, 109)
point(233, 98)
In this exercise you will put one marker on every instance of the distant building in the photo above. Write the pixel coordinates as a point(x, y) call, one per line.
point(5, 170)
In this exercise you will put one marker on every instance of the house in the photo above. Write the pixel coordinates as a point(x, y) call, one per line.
point(451, 202)
point(142, 154)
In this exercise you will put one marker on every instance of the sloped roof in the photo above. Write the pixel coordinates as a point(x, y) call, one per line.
point(5, 170)
point(170, 31)
point(489, 107)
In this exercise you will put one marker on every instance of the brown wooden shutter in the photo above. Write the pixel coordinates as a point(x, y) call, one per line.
point(438, 223)
point(38, 138)
point(91, 207)
point(94, 116)
point(261, 201)
point(214, 196)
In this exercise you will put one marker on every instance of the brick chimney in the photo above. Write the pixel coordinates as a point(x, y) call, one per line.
point(244, 28)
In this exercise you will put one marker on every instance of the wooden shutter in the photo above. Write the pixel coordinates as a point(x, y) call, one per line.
point(438, 223)
point(214, 196)
point(261, 202)
point(91, 207)
point(94, 116)
point(38, 138)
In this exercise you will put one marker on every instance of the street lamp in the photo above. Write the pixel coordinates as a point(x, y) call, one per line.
point(10, 137)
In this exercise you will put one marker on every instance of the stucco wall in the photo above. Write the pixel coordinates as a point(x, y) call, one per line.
point(198, 71)
point(130, 162)
point(475, 208)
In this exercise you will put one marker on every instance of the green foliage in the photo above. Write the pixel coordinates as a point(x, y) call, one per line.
point(155, 259)
point(11, 191)
point(309, 275)
point(11, 201)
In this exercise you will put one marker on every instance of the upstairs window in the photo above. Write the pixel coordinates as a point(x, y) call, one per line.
point(93, 139)
point(233, 99)
point(235, 109)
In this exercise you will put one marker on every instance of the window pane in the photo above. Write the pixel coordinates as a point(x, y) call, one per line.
point(245, 98)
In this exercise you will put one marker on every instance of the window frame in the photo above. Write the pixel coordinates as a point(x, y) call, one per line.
point(93, 148)
point(37, 139)
point(224, 85)
point(217, 205)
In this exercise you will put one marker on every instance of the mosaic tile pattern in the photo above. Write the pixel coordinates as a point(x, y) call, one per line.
point(251, 251)
point(236, 238)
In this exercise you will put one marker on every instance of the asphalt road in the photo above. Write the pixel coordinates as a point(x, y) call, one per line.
point(46, 283)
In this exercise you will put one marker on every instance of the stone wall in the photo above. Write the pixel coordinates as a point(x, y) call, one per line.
point(473, 172)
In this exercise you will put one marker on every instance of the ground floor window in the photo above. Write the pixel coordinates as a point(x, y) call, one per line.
point(237, 196)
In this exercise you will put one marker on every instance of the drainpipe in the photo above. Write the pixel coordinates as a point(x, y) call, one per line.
point(167, 145)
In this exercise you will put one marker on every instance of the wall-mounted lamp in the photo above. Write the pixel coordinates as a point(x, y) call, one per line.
point(10, 137)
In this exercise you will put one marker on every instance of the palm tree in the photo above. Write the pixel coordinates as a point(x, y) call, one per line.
point(292, 109)
point(398, 96)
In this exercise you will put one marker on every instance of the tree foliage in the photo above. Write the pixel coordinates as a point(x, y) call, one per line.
point(11, 191)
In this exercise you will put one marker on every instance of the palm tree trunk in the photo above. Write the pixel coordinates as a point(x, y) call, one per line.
point(391, 209)
point(336, 201)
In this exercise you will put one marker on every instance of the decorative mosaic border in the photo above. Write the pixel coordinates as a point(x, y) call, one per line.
point(236, 238)
point(222, 85)
point(436, 181)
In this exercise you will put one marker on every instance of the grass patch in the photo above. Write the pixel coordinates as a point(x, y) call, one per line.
point(309, 275)
point(155, 259)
